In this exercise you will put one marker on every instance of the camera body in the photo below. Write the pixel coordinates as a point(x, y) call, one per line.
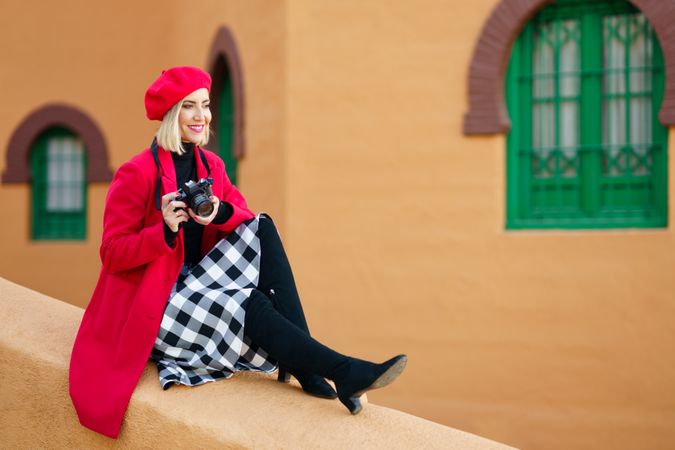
point(196, 196)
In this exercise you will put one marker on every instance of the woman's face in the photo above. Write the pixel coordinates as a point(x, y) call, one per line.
point(194, 116)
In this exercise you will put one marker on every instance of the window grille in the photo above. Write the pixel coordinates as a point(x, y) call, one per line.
point(584, 86)
point(58, 162)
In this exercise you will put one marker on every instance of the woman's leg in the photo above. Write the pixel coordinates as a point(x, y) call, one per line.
point(290, 345)
point(276, 277)
point(277, 282)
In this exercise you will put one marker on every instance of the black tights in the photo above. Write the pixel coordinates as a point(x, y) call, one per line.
point(276, 277)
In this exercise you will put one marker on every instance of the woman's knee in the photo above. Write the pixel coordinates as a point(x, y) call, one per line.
point(266, 224)
point(257, 301)
point(268, 233)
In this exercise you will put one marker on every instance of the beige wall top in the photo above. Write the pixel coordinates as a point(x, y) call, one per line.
point(248, 411)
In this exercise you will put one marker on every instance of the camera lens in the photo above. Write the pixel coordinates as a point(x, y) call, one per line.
point(201, 205)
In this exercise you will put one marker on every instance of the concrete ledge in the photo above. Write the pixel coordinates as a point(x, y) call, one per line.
point(246, 411)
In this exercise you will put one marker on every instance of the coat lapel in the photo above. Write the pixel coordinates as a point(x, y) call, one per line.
point(168, 171)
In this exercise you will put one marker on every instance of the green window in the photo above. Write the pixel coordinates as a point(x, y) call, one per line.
point(225, 127)
point(58, 162)
point(583, 90)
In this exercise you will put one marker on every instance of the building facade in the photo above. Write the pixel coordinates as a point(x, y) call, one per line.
point(482, 185)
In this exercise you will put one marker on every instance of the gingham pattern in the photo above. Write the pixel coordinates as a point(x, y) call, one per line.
point(201, 337)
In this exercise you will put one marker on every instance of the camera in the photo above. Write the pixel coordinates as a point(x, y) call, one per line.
point(196, 196)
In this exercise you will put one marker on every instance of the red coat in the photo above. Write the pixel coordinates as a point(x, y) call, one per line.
point(122, 319)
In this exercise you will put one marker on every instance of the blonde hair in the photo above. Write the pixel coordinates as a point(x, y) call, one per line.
point(168, 133)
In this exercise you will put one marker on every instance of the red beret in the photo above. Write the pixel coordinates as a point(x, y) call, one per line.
point(172, 86)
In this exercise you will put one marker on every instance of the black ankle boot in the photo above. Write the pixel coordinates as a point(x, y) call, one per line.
point(363, 376)
point(311, 384)
point(292, 347)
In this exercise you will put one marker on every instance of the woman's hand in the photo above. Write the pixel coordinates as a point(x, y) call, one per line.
point(172, 212)
point(208, 219)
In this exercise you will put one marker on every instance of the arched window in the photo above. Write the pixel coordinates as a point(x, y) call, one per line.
point(59, 190)
point(59, 149)
point(583, 90)
point(227, 101)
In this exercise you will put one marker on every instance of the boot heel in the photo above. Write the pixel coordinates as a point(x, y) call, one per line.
point(284, 376)
point(353, 404)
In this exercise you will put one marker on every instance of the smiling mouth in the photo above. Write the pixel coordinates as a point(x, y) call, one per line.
point(196, 128)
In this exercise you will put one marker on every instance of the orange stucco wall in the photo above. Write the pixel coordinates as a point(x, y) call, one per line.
point(552, 339)
point(393, 219)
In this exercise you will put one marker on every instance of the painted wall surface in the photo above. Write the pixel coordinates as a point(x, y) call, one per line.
point(392, 218)
point(551, 339)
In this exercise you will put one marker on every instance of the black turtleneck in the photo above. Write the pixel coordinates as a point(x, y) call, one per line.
point(186, 170)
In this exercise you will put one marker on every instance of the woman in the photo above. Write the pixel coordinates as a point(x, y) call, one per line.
point(204, 295)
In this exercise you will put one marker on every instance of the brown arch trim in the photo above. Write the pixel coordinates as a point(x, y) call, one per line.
point(20, 144)
point(487, 108)
point(223, 59)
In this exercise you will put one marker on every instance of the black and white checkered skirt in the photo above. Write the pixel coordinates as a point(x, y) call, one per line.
point(201, 337)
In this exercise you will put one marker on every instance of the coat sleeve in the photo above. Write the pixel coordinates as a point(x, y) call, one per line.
point(231, 195)
point(126, 243)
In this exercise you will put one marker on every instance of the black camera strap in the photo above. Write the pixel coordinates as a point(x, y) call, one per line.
point(154, 149)
point(158, 191)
